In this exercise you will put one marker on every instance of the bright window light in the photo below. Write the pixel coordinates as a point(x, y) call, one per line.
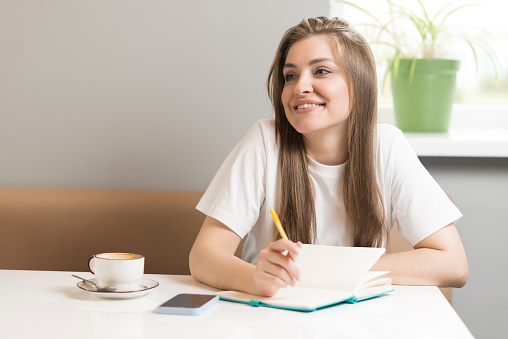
point(474, 86)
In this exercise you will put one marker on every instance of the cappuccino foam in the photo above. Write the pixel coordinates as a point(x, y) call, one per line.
point(118, 256)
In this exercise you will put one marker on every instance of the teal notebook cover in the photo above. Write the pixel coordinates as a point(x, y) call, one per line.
point(266, 302)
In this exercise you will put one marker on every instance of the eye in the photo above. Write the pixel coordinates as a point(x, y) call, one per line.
point(289, 77)
point(322, 71)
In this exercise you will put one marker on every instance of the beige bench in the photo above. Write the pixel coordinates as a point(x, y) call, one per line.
point(59, 229)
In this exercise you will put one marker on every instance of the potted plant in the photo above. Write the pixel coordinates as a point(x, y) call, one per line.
point(422, 77)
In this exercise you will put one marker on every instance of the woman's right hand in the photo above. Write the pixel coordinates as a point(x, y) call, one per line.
point(275, 269)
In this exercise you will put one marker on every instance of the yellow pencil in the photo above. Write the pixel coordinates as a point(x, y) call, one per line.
point(278, 224)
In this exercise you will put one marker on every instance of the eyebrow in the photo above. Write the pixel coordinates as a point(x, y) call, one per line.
point(312, 62)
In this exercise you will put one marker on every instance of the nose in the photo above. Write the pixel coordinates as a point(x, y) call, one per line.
point(304, 85)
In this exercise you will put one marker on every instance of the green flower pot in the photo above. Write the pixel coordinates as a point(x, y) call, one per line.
point(423, 98)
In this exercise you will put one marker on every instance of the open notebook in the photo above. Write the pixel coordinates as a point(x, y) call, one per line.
point(330, 275)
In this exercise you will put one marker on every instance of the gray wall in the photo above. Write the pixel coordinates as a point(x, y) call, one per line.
point(133, 94)
point(479, 187)
point(153, 95)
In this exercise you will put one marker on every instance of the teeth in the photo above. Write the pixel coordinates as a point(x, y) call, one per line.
point(306, 106)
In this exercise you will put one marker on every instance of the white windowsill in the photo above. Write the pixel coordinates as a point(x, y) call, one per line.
point(475, 131)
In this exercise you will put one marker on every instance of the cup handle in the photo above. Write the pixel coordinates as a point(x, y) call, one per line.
point(91, 264)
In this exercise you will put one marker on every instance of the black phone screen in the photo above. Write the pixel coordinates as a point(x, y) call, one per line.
point(188, 300)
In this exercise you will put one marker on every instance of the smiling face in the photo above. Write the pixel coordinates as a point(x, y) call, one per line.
point(315, 94)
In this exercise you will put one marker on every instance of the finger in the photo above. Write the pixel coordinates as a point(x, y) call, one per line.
point(279, 265)
point(269, 274)
point(267, 279)
point(280, 273)
point(282, 245)
point(275, 263)
point(267, 284)
point(288, 264)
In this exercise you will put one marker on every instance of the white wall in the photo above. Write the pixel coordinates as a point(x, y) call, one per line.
point(133, 94)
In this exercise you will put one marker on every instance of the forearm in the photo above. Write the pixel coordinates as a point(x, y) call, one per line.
point(222, 270)
point(439, 260)
point(424, 266)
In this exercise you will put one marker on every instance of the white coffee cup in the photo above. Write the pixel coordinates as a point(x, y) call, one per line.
point(123, 271)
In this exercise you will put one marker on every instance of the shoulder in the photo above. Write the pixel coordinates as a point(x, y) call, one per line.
point(261, 133)
point(390, 139)
point(266, 127)
point(387, 132)
point(258, 141)
point(392, 149)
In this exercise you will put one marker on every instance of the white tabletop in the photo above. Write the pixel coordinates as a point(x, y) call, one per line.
point(36, 304)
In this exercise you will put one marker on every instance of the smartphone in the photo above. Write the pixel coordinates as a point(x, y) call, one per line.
point(188, 304)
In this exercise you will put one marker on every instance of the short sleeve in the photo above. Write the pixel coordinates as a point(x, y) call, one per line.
point(236, 193)
point(419, 205)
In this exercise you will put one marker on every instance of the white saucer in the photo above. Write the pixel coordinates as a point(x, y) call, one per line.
point(145, 286)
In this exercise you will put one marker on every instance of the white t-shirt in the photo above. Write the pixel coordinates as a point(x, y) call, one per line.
point(247, 186)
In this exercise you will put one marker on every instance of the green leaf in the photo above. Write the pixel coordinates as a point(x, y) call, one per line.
point(412, 71)
point(440, 26)
point(396, 64)
point(474, 53)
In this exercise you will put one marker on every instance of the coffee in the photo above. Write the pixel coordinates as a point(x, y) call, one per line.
point(118, 256)
point(120, 270)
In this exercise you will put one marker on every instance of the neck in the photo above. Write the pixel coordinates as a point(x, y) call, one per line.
point(329, 150)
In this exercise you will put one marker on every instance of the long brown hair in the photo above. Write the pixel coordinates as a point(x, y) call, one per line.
point(364, 207)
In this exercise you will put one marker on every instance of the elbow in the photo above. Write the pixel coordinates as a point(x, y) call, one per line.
point(462, 272)
point(458, 276)
point(461, 277)
point(199, 266)
point(194, 265)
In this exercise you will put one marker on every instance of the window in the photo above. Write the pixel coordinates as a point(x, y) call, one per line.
point(473, 87)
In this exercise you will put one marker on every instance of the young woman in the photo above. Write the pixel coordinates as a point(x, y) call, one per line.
point(333, 175)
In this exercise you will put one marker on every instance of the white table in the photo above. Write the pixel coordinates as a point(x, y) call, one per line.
point(36, 304)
